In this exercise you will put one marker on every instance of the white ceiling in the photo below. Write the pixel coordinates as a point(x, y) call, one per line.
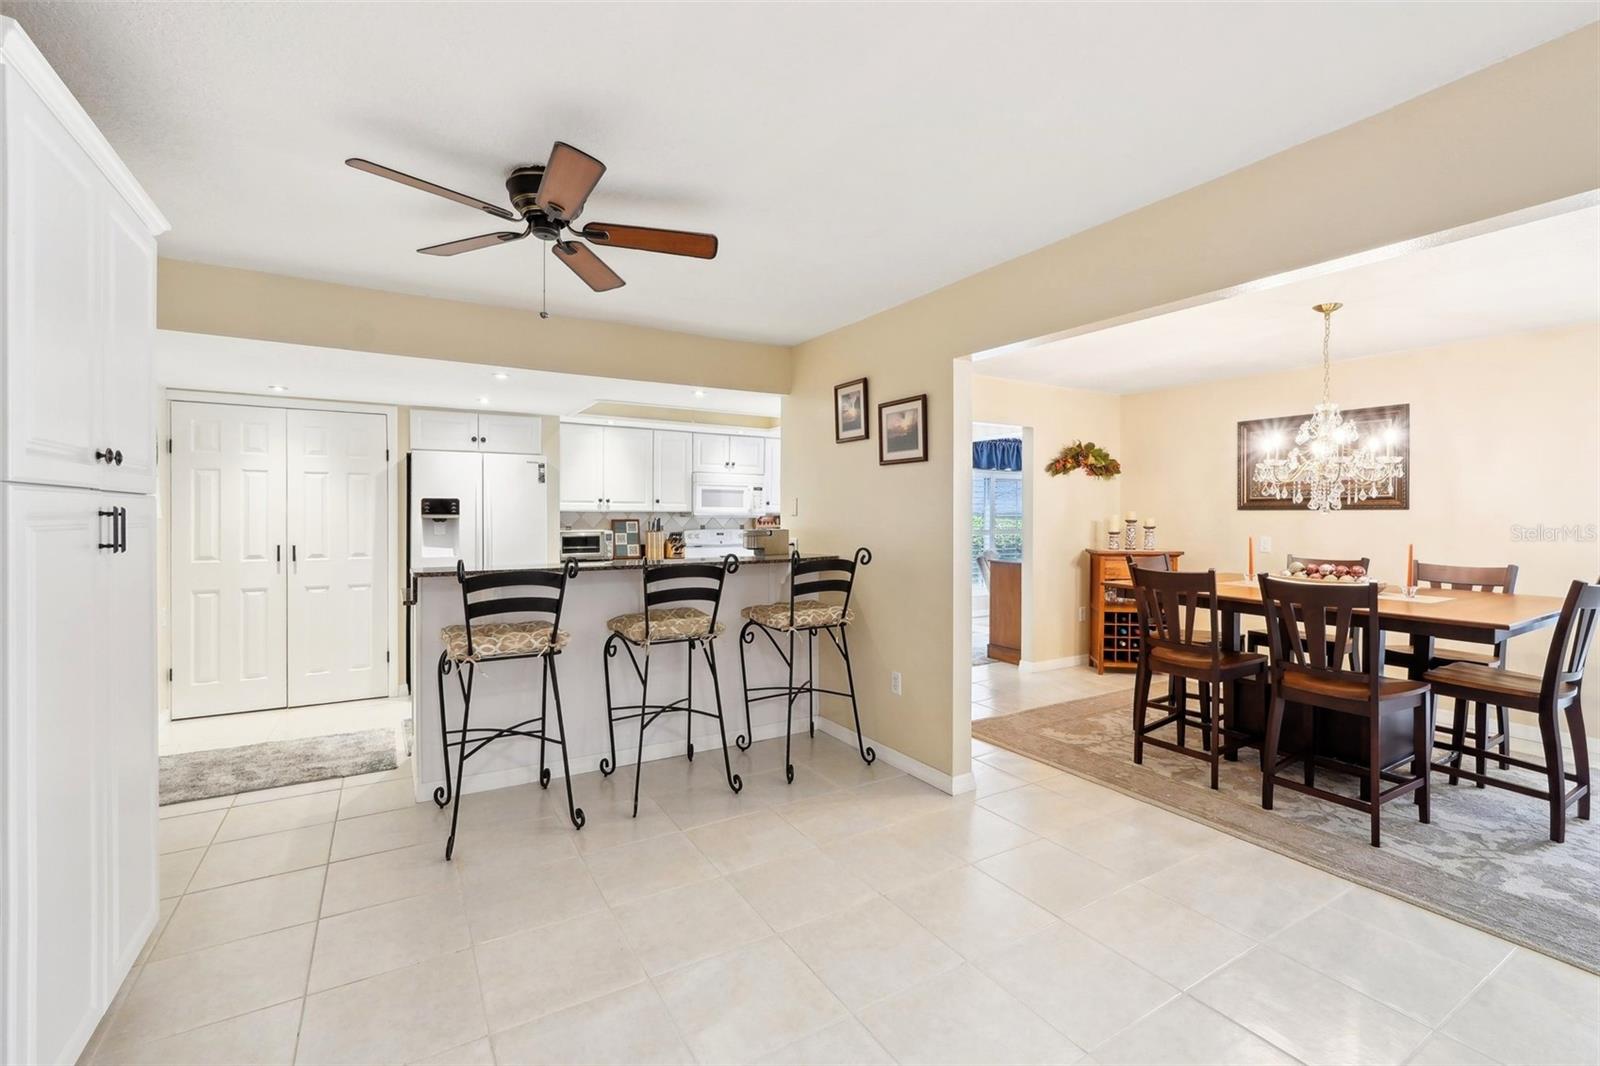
point(850, 156)
point(1534, 276)
point(233, 364)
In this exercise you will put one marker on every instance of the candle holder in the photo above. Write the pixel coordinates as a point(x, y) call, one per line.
point(1149, 538)
point(1113, 538)
point(1130, 534)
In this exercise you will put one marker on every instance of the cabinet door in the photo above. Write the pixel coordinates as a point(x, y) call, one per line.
point(628, 468)
point(674, 461)
point(127, 403)
point(338, 510)
point(747, 455)
point(772, 483)
point(127, 732)
point(509, 434)
point(53, 218)
point(55, 811)
point(583, 467)
point(711, 453)
point(229, 559)
point(444, 431)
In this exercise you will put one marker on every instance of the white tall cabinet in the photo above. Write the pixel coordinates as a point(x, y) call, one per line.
point(78, 870)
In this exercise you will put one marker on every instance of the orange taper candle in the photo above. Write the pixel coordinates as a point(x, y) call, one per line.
point(1411, 567)
point(1252, 557)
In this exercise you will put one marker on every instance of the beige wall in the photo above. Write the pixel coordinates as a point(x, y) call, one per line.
point(198, 298)
point(1502, 435)
point(1062, 515)
point(1519, 134)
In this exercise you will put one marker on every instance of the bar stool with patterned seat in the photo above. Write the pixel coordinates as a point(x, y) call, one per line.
point(695, 591)
point(807, 578)
point(536, 593)
point(1501, 579)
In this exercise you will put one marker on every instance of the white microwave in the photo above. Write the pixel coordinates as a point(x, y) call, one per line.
point(726, 494)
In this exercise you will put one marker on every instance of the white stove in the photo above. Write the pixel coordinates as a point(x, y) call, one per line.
point(715, 544)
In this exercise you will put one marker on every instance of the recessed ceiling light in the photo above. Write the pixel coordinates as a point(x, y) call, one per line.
point(500, 375)
point(699, 394)
point(277, 388)
point(483, 399)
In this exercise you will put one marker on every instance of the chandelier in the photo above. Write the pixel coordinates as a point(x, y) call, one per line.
point(1329, 463)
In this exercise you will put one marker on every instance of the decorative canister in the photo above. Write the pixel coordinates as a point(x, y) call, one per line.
point(1149, 536)
point(1130, 535)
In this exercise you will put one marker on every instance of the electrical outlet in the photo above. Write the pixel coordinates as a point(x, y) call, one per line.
point(1083, 614)
point(894, 682)
point(1265, 544)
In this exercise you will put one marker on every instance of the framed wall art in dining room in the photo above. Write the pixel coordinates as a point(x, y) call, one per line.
point(1386, 429)
point(903, 431)
point(850, 411)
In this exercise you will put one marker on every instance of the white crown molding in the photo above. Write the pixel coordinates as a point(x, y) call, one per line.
point(19, 53)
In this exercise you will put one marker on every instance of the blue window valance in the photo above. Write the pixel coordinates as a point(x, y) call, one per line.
point(1004, 453)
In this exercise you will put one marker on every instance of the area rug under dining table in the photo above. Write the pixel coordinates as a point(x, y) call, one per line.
point(1485, 860)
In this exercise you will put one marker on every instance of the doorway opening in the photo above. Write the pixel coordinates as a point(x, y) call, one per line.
point(997, 543)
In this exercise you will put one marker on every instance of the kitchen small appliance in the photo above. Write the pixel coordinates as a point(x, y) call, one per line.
point(586, 544)
point(715, 543)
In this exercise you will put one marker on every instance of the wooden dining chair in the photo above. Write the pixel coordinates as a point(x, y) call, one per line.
point(1501, 579)
point(1557, 691)
point(1257, 639)
point(1307, 671)
point(1168, 603)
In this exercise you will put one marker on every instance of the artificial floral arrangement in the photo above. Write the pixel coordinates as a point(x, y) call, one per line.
point(1086, 456)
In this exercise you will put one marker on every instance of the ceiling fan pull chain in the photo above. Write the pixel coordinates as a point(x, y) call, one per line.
point(544, 287)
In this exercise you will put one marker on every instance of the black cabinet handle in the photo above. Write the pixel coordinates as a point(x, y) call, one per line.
point(102, 455)
point(294, 555)
point(277, 555)
point(124, 522)
point(111, 514)
point(118, 457)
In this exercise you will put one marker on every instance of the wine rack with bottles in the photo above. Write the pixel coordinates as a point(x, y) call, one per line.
point(1113, 619)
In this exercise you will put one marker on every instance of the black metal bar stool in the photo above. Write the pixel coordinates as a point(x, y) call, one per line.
point(807, 577)
point(537, 593)
point(667, 618)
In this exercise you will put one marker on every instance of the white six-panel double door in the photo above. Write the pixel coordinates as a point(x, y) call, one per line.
point(279, 557)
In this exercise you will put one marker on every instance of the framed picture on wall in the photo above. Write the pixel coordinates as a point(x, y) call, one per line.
point(903, 431)
point(850, 411)
point(1388, 429)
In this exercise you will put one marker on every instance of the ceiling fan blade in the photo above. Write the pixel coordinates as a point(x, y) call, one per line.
point(648, 239)
point(428, 186)
point(569, 178)
point(471, 244)
point(580, 258)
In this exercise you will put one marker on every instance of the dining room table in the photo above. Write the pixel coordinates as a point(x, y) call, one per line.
point(1430, 615)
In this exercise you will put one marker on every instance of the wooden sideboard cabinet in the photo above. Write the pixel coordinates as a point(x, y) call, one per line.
point(1113, 619)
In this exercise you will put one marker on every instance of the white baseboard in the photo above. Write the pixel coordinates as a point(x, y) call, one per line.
point(1032, 666)
point(920, 770)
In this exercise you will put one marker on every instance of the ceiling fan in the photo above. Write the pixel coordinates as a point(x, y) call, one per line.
point(548, 199)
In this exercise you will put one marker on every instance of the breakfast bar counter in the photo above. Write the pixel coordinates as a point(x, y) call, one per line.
point(507, 692)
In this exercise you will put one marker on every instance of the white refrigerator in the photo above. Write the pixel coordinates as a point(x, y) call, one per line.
point(485, 509)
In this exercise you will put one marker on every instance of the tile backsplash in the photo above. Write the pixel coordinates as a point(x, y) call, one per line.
point(671, 523)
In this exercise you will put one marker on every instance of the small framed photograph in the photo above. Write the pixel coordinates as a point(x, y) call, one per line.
point(850, 411)
point(903, 431)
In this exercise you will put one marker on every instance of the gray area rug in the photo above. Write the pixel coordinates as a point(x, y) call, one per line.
point(224, 771)
point(1485, 860)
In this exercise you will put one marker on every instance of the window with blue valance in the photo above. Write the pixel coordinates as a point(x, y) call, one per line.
point(1004, 453)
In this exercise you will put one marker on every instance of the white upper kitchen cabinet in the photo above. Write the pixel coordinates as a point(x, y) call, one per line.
point(772, 502)
point(469, 431)
point(726, 453)
point(510, 434)
point(127, 402)
point(583, 467)
point(674, 466)
point(629, 473)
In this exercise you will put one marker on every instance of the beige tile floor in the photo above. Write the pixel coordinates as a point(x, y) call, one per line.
point(857, 916)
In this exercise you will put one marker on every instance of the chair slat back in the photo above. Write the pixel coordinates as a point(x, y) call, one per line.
point(1169, 602)
point(1475, 578)
point(532, 592)
point(696, 584)
point(1149, 562)
point(1327, 613)
point(1571, 641)
point(811, 577)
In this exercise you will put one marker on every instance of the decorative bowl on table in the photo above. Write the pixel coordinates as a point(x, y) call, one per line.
point(1324, 573)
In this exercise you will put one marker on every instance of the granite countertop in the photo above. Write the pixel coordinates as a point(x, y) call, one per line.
point(609, 564)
